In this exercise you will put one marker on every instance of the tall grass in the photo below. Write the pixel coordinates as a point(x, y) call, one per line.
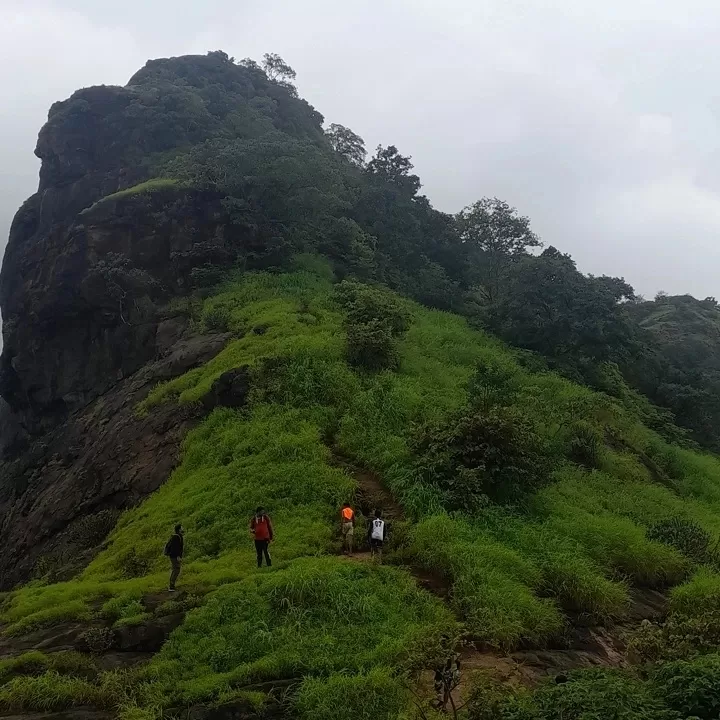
point(314, 617)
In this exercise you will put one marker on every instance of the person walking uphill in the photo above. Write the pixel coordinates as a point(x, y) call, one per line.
point(347, 524)
point(174, 550)
point(261, 529)
point(376, 535)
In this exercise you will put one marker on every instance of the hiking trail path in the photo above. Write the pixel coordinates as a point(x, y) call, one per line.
point(584, 644)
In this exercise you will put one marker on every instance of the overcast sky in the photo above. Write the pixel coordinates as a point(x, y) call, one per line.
point(596, 119)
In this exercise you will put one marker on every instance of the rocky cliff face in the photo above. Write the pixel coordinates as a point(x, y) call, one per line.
point(93, 259)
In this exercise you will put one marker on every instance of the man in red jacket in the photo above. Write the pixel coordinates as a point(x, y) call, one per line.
point(261, 529)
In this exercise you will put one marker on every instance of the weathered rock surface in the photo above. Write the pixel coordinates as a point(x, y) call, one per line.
point(59, 499)
point(83, 304)
point(229, 390)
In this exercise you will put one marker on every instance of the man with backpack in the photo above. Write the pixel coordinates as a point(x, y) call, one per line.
point(376, 535)
point(261, 529)
point(347, 525)
point(174, 548)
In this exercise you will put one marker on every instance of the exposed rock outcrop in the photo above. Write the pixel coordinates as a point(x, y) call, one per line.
point(58, 500)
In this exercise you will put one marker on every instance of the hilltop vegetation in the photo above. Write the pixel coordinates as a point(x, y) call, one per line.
point(682, 369)
point(489, 389)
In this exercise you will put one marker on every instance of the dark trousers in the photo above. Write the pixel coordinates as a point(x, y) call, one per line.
point(261, 546)
point(175, 562)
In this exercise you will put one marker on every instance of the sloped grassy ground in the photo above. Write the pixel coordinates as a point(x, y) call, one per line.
point(347, 628)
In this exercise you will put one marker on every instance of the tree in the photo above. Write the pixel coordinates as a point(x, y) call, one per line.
point(221, 55)
point(279, 71)
point(552, 308)
point(494, 235)
point(345, 142)
point(391, 167)
point(250, 64)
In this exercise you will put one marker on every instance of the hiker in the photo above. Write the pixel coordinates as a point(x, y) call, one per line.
point(447, 678)
point(347, 525)
point(174, 550)
point(261, 529)
point(376, 535)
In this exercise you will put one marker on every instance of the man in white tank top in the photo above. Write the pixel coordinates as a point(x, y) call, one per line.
point(376, 536)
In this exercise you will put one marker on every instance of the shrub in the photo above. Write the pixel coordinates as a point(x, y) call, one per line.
point(122, 607)
point(493, 384)
point(374, 319)
point(686, 536)
point(691, 688)
point(600, 694)
point(216, 318)
point(475, 457)
point(134, 565)
point(680, 637)
point(371, 346)
point(487, 698)
point(584, 445)
point(98, 639)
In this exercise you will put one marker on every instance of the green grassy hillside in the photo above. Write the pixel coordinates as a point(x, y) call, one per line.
point(349, 633)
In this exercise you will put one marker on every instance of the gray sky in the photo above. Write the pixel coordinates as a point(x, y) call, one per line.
point(598, 120)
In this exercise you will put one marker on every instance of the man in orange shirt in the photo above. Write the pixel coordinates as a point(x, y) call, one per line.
point(347, 523)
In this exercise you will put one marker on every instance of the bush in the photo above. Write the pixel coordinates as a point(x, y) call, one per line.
point(374, 319)
point(691, 688)
point(487, 698)
point(600, 695)
point(585, 445)
point(476, 457)
point(680, 637)
point(98, 639)
point(134, 565)
point(216, 318)
point(493, 384)
point(371, 346)
point(686, 536)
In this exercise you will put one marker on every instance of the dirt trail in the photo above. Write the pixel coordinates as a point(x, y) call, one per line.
point(584, 644)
